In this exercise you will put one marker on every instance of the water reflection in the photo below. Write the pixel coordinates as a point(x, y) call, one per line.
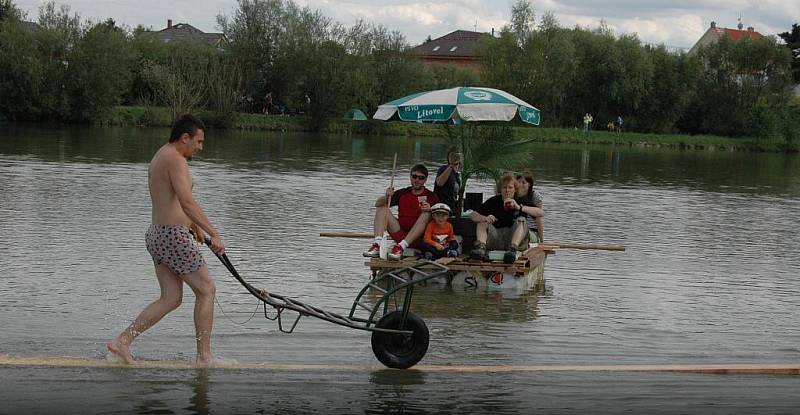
point(448, 302)
point(708, 275)
point(397, 377)
point(565, 164)
point(199, 402)
point(395, 391)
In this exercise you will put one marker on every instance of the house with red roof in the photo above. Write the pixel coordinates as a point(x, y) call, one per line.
point(459, 48)
point(714, 34)
point(184, 32)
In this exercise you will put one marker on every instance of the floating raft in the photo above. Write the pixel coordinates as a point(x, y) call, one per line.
point(526, 272)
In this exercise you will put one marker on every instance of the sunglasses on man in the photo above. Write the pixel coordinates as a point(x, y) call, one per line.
point(418, 176)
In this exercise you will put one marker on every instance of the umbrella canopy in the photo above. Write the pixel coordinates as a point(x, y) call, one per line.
point(467, 103)
point(355, 114)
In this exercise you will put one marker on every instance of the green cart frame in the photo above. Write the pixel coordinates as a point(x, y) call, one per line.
point(399, 337)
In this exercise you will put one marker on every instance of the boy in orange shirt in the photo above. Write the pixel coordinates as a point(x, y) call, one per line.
point(439, 239)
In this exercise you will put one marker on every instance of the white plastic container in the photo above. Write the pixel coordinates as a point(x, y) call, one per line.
point(383, 252)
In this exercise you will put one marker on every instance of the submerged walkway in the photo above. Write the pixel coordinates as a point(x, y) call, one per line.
point(772, 368)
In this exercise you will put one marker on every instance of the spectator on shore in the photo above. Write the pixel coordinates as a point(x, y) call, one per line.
point(268, 103)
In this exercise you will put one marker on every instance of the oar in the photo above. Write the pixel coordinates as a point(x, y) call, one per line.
point(544, 245)
point(391, 182)
point(346, 235)
point(389, 203)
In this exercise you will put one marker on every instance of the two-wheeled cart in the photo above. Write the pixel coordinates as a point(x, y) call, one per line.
point(399, 337)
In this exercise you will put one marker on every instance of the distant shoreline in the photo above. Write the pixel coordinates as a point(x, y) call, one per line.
point(160, 117)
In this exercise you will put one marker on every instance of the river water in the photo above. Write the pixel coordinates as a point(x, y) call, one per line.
point(709, 277)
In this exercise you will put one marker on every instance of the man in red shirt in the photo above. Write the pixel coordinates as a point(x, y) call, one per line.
point(413, 213)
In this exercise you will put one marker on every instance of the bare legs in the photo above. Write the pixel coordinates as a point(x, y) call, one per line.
point(540, 227)
point(171, 296)
point(520, 227)
point(419, 227)
point(385, 221)
point(481, 232)
point(204, 291)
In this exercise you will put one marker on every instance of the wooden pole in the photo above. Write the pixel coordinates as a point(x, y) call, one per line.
point(547, 245)
point(346, 235)
point(554, 245)
point(389, 199)
point(391, 182)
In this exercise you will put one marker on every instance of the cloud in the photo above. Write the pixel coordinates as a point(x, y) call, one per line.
point(676, 22)
point(418, 19)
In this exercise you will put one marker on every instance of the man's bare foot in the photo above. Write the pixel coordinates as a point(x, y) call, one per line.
point(120, 350)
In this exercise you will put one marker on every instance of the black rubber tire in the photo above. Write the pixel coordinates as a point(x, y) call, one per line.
point(396, 350)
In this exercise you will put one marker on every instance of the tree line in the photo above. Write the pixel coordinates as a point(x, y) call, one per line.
point(728, 88)
point(72, 70)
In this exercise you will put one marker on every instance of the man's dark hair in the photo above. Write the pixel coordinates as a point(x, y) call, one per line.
point(186, 123)
point(420, 168)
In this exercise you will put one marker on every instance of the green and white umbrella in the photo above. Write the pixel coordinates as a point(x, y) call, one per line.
point(466, 103)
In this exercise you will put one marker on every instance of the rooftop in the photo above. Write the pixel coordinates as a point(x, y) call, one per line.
point(184, 32)
point(461, 43)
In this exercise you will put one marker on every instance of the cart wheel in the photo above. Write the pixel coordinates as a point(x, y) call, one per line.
point(396, 350)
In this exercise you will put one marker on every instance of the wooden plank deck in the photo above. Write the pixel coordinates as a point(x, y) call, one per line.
point(529, 259)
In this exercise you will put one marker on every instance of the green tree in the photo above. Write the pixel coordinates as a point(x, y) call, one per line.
point(523, 18)
point(792, 40)
point(630, 83)
point(100, 71)
point(149, 49)
point(502, 64)
point(20, 72)
point(550, 71)
point(253, 32)
point(329, 83)
point(179, 81)
point(669, 91)
point(59, 33)
point(222, 88)
point(9, 11)
point(391, 71)
point(305, 33)
point(394, 71)
point(738, 78)
point(445, 76)
point(596, 84)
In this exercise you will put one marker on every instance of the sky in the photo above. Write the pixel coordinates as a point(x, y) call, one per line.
point(675, 23)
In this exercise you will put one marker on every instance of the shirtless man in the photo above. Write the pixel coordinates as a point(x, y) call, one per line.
point(176, 257)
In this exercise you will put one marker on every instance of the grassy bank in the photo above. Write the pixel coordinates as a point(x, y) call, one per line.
point(155, 116)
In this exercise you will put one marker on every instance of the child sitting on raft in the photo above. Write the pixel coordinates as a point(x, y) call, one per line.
point(439, 240)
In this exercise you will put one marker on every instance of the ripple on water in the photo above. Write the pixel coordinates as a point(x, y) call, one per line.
point(708, 273)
